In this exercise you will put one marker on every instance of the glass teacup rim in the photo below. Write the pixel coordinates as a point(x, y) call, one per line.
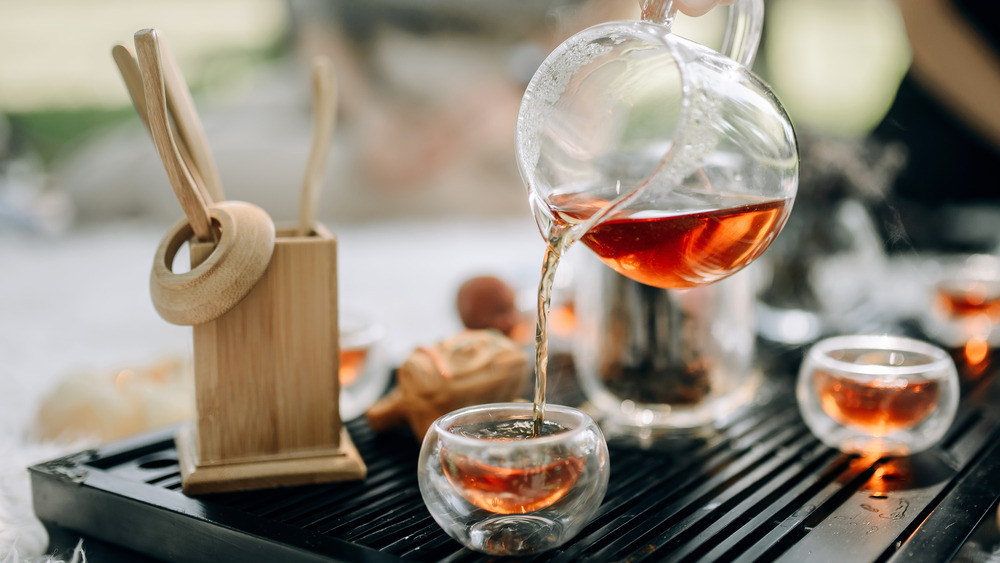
point(940, 361)
point(444, 425)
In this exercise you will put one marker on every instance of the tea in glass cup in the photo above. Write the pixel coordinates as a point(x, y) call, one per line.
point(965, 297)
point(364, 373)
point(878, 394)
point(497, 487)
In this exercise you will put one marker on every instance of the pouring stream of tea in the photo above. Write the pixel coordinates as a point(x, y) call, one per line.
point(560, 238)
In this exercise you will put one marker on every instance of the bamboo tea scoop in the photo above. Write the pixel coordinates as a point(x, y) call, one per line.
point(192, 201)
point(324, 116)
point(188, 125)
point(245, 232)
point(128, 67)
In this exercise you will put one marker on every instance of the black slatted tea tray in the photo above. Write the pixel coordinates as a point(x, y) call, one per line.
point(760, 489)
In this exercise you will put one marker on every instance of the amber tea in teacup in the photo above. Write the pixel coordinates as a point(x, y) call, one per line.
point(881, 405)
point(877, 394)
point(511, 490)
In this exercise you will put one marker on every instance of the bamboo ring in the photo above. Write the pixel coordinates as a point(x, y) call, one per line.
point(225, 277)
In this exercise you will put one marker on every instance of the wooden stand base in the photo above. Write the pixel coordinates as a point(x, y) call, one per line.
point(340, 464)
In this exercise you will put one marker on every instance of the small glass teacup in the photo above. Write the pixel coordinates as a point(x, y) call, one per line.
point(497, 490)
point(878, 394)
point(364, 374)
point(966, 301)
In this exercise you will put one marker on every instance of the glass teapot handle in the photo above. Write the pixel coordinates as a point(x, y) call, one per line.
point(746, 22)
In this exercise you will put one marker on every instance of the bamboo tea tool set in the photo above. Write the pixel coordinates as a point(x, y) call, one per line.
point(262, 301)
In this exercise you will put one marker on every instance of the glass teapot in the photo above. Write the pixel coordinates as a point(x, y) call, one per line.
point(628, 132)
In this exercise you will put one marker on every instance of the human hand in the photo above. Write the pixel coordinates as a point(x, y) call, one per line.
point(698, 7)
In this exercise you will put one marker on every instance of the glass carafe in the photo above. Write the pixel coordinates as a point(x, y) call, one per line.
point(626, 121)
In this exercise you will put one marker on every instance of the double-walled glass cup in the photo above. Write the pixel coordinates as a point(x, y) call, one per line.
point(965, 294)
point(498, 491)
point(878, 394)
point(364, 373)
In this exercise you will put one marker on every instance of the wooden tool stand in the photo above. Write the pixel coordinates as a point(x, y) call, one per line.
point(266, 379)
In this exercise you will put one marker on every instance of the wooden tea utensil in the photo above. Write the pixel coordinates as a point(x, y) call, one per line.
point(246, 232)
point(128, 67)
point(194, 204)
point(188, 125)
point(324, 117)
